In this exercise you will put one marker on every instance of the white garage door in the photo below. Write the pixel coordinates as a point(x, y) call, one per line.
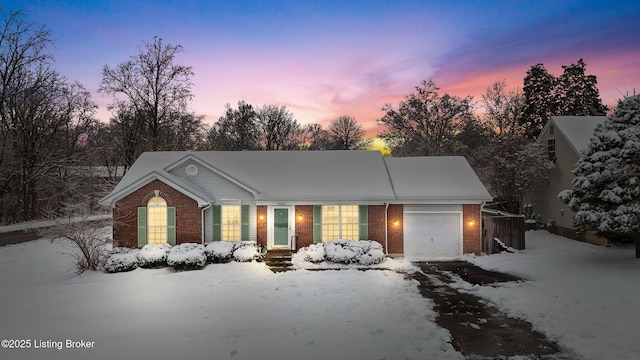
point(432, 235)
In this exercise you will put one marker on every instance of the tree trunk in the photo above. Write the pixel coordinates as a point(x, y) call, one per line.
point(638, 246)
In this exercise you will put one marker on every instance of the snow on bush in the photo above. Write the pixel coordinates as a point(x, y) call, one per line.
point(121, 260)
point(248, 251)
point(314, 253)
point(220, 251)
point(187, 256)
point(363, 252)
point(153, 255)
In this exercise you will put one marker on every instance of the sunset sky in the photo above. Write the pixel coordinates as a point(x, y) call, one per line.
point(323, 59)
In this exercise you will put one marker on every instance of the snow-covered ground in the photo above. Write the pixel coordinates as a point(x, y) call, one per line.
point(585, 297)
point(225, 311)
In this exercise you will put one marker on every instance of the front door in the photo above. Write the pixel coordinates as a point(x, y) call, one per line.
point(281, 227)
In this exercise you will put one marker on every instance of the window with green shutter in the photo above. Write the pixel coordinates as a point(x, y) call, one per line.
point(142, 226)
point(363, 211)
point(217, 222)
point(244, 219)
point(171, 225)
point(317, 224)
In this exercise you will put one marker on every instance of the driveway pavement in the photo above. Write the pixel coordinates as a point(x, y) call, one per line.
point(478, 329)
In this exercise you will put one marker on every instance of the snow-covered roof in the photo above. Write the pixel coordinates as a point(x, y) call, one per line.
point(317, 175)
point(435, 178)
point(577, 129)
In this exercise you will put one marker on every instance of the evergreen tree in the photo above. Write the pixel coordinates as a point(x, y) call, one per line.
point(572, 93)
point(578, 93)
point(606, 189)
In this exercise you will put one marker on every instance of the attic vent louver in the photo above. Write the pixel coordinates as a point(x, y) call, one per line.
point(192, 170)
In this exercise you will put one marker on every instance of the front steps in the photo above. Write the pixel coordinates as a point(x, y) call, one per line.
point(278, 260)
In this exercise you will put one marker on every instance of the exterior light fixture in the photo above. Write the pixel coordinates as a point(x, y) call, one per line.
point(299, 217)
point(471, 223)
point(261, 217)
point(396, 223)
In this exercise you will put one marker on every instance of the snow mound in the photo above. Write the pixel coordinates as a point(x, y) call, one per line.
point(363, 252)
point(248, 251)
point(121, 260)
point(187, 256)
point(153, 255)
point(220, 251)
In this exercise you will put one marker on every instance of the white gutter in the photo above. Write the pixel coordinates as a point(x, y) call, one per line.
point(202, 219)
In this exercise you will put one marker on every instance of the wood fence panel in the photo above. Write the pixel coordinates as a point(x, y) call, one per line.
point(507, 228)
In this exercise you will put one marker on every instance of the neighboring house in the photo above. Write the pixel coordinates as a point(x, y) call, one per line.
point(565, 137)
point(418, 207)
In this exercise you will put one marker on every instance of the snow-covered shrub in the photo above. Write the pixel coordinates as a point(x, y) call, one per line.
point(340, 251)
point(248, 251)
point(314, 253)
point(121, 260)
point(187, 256)
point(220, 251)
point(363, 252)
point(153, 255)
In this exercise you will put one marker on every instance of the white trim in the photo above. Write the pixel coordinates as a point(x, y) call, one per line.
point(292, 227)
point(164, 177)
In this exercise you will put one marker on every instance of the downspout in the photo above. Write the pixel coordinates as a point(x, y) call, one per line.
point(386, 230)
point(202, 219)
point(484, 203)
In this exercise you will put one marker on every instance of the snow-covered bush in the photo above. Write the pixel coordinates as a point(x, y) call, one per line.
point(220, 251)
point(153, 255)
point(314, 253)
point(187, 256)
point(121, 260)
point(248, 251)
point(363, 252)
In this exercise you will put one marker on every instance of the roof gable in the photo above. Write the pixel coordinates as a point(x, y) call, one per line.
point(577, 130)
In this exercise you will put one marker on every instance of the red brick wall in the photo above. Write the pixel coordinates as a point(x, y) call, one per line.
point(125, 215)
point(471, 232)
point(395, 231)
point(376, 223)
point(304, 225)
point(261, 221)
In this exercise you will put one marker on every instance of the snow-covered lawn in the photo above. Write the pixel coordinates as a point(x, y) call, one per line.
point(225, 311)
point(584, 296)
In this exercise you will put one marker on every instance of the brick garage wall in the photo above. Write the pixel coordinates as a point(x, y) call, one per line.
point(376, 223)
point(125, 215)
point(471, 232)
point(304, 225)
point(261, 222)
point(396, 233)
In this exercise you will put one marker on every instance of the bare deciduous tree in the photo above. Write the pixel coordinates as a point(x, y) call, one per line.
point(346, 134)
point(154, 99)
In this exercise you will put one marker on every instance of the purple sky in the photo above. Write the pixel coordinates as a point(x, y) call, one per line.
point(323, 59)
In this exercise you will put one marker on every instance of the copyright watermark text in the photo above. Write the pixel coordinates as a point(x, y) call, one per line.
point(47, 344)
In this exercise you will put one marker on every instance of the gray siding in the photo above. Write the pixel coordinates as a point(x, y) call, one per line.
point(219, 188)
point(547, 204)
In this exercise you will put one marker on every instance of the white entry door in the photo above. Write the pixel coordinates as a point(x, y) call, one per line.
point(432, 235)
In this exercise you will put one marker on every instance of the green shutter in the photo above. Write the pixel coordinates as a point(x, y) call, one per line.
point(142, 226)
point(363, 230)
point(217, 220)
point(244, 222)
point(171, 225)
point(317, 224)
